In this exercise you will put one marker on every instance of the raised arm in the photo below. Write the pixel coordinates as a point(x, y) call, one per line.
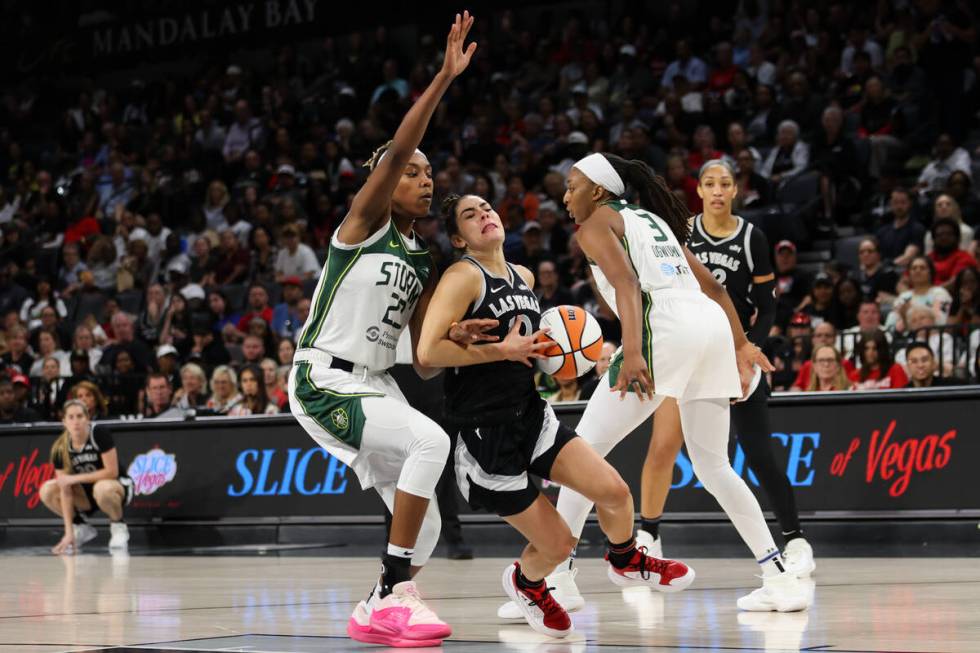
point(370, 206)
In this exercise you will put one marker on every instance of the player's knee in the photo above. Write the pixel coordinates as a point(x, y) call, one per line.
point(559, 548)
point(663, 454)
point(49, 491)
point(105, 492)
point(432, 444)
point(712, 474)
point(613, 492)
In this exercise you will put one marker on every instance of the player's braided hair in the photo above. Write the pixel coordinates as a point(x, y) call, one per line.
point(653, 194)
point(449, 213)
point(375, 159)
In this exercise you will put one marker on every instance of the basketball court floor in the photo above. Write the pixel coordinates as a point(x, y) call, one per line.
point(287, 604)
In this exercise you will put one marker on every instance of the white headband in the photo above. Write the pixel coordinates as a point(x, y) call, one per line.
point(597, 168)
point(385, 153)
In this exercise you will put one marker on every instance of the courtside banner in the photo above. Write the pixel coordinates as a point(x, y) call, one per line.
point(855, 453)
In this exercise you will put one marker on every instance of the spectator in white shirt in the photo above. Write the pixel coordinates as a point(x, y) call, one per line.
point(858, 41)
point(949, 159)
point(295, 259)
point(244, 134)
point(790, 156)
point(687, 65)
point(210, 135)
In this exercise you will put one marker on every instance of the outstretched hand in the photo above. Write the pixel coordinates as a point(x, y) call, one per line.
point(457, 59)
point(523, 349)
point(469, 332)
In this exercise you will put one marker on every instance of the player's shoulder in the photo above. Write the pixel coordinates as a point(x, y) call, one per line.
point(463, 270)
point(525, 273)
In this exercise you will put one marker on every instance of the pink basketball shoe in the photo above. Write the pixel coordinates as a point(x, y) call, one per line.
point(400, 619)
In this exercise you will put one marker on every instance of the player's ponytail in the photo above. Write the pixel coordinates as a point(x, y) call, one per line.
point(653, 194)
point(375, 159)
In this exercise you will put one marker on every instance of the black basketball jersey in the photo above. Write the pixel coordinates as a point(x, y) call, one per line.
point(474, 391)
point(89, 457)
point(734, 260)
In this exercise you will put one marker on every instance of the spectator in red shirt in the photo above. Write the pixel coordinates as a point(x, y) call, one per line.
point(824, 335)
point(703, 150)
point(233, 260)
point(258, 306)
point(946, 254)
point(517, 196)
point(678, 180)
point(723, 74)
point(878, 369)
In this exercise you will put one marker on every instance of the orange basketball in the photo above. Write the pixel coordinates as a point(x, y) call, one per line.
point(576, 342)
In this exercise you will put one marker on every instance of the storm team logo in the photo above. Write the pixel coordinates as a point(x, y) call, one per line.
point(339, 418)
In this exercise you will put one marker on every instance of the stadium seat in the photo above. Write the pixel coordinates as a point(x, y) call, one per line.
point(846, 250)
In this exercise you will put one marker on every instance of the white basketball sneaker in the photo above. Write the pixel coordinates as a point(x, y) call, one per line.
point(119, 535)
point(798, 557)
point(654, 545)
point(84, 533)
point(781, 593)
point(563, 588)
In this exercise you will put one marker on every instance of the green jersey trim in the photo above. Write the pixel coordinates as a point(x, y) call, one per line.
point(647, 307)
point(338, 413)
point(335, 275)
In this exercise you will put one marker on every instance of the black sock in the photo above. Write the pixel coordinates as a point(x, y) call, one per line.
point(621, 554)
point(525, 583)
point(651, 525)
point(394, 570)
point(79, 518)
point(792, 535)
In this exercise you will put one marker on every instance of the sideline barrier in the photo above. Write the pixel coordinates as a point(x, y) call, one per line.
point(860, 455)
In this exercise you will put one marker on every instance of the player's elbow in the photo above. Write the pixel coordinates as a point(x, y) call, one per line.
point(425, 355)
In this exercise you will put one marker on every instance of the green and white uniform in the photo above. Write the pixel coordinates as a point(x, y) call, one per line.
point(691, 328)
point(363, 302)
point(365, 298)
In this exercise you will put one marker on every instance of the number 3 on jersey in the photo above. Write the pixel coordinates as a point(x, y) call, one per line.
point(659, 235)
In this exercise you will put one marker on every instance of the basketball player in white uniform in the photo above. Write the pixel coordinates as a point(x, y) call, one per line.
point(376, 274)
point(681, 338)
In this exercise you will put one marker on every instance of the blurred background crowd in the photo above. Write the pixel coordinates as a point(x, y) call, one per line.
point(162, 233)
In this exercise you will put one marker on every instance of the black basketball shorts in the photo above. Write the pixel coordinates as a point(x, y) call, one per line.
point(494, 459)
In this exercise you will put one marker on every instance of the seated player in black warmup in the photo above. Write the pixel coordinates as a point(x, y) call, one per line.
point(505, 430)
point(737, 254)
point(86, 479)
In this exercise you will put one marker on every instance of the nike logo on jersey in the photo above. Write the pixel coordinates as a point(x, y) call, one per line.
point(392, 243)
point(694, 244)
point(496, 290)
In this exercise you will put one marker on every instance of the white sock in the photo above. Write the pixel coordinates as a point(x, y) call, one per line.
point(772, 564)
point(400, 551)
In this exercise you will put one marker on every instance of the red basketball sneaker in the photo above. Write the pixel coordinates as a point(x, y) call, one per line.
point(647, 571)
point(539, 608)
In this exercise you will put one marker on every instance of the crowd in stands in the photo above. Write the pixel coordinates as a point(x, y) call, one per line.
point(161, 240)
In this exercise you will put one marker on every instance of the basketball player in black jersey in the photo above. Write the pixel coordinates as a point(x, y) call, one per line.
point(86, 479)
point(737, 254)
point(505, 430)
